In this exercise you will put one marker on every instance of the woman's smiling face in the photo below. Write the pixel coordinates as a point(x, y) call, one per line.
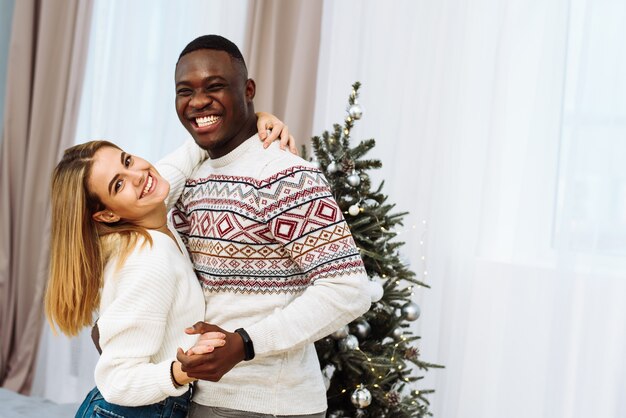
point(129, 187)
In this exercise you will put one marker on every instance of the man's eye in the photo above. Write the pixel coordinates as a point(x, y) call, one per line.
point(183, 92)
point(118, 185)
point(127, 161)
point(216, 86)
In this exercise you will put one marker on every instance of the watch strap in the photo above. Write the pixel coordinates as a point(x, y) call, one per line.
point(248, 347)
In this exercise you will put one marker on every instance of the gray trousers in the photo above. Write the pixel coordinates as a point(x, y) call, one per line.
point(201, 411)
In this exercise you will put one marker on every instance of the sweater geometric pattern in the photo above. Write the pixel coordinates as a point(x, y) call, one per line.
point(274, 235)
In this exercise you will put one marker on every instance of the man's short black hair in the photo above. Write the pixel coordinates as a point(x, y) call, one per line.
point(218, 43)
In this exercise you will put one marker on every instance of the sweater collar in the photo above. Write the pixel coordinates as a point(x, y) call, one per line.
point(236, 153)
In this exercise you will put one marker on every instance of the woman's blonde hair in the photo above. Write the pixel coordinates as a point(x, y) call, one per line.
point(81, 246)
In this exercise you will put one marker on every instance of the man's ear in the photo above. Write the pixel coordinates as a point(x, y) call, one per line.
point(250, 89)
point(105, 216)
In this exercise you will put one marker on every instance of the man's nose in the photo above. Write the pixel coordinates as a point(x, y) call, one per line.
point(200, 100)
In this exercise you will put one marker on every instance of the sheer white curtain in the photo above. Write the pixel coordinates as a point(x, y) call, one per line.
point(128, 98)
point(502, 124)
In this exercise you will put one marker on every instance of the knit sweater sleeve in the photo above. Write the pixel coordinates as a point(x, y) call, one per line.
point(305, 219)
point(178, 166)
point(132, 330)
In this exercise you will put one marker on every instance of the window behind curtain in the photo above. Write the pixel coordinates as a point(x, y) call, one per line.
point(6, 13)
point(591, 206)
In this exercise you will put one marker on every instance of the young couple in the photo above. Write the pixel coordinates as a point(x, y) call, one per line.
point(273, 264)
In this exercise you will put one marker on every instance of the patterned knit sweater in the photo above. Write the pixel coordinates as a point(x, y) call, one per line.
point(275, 256)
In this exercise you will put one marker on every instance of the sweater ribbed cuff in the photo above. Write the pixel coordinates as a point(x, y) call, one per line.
point(262, 338)
point(165, 380)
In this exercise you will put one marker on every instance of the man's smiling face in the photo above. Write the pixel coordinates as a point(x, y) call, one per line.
point(214, 99)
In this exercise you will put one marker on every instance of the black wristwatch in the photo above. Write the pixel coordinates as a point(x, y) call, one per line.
point(248, 347)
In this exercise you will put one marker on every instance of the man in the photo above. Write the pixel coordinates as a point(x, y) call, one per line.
point(275, 257)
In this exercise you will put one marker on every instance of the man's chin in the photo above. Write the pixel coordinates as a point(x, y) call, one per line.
point(207, 142)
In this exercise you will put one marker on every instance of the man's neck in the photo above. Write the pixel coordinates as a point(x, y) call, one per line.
point(244, 134)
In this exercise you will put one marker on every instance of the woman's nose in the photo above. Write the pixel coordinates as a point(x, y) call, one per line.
point(136, 177)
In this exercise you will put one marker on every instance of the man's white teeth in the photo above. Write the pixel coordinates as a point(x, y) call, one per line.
point(206, 121)
point(147, 186)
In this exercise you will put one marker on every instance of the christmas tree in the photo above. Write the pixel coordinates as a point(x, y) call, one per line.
point(370, 365)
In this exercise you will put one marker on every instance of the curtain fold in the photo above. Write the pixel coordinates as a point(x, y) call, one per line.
point(282, 50)
point(46, 64)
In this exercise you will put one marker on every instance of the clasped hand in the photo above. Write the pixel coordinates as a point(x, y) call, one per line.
point(215, 353)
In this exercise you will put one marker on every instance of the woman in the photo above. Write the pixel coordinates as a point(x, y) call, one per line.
point(113, 251)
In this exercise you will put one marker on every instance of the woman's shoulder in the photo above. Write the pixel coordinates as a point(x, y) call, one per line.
point(153, 254)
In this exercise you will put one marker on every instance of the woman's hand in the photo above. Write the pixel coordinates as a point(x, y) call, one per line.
point(207, 342)
point(268, 122)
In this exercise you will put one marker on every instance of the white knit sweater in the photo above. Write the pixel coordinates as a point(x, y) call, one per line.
point(145, 307)
point(274, 256)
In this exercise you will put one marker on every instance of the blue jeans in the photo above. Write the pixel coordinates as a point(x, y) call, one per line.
point(94, 406)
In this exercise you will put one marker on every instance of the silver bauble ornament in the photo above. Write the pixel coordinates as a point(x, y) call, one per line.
point(387, 340)
point(397, 333)
point(375, 290)
point(362, 329)
point(411, 311)
point(354, 209)
point(341, 333)
point(326, 382)
point(355, 111)
point(333, 167)
point(327, 374)
point(354, 179)
point(349, 343)
point(361, 398)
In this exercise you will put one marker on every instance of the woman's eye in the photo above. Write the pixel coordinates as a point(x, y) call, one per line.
point(118, 185)
point(127, 161)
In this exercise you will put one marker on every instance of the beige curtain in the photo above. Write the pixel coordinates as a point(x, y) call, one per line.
point(46, 63)
point(281, 49)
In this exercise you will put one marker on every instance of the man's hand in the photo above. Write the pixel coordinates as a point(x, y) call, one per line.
point(212, 366)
